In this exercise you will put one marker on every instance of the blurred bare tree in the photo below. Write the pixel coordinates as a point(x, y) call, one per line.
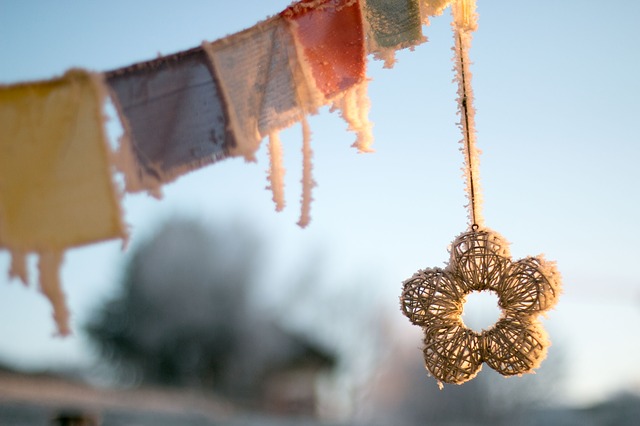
point(183, 317)
point(181, 301)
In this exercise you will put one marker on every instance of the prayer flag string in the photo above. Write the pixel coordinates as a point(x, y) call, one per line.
point(181, 112)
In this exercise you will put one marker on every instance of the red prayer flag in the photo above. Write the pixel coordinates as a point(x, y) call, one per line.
point(331, 36)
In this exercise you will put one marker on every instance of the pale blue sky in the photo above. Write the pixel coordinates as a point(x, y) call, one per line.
point(556, 92)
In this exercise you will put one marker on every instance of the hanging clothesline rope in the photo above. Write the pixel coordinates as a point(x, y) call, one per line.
point(464, 24)
point(467, 136)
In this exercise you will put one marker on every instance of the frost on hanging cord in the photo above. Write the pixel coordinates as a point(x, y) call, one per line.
point(354, 106)
point(307, 179)
point(464, 15)
point(464, 22)
point(276, 172)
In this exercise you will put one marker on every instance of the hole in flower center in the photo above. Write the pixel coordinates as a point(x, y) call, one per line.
point(481, 310)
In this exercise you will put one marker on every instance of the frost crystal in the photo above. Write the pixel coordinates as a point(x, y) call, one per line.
point(276, 172)
point(307, 179)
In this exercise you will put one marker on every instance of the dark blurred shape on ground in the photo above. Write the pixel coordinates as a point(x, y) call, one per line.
point(45, 399)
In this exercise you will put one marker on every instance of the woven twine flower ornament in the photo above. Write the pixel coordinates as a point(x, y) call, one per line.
point(480, 260)
point(433, 299)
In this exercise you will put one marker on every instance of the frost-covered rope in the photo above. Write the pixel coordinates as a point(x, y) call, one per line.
point(464, 23)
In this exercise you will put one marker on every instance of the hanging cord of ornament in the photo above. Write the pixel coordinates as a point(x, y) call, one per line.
point(464, 23)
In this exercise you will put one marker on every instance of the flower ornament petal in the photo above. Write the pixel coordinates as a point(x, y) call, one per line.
point(515, 346)
point(480, 258)
point(531, 286)
point(431, 294)
point(452, 353)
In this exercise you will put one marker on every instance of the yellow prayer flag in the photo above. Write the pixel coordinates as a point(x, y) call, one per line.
point(56, 188)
